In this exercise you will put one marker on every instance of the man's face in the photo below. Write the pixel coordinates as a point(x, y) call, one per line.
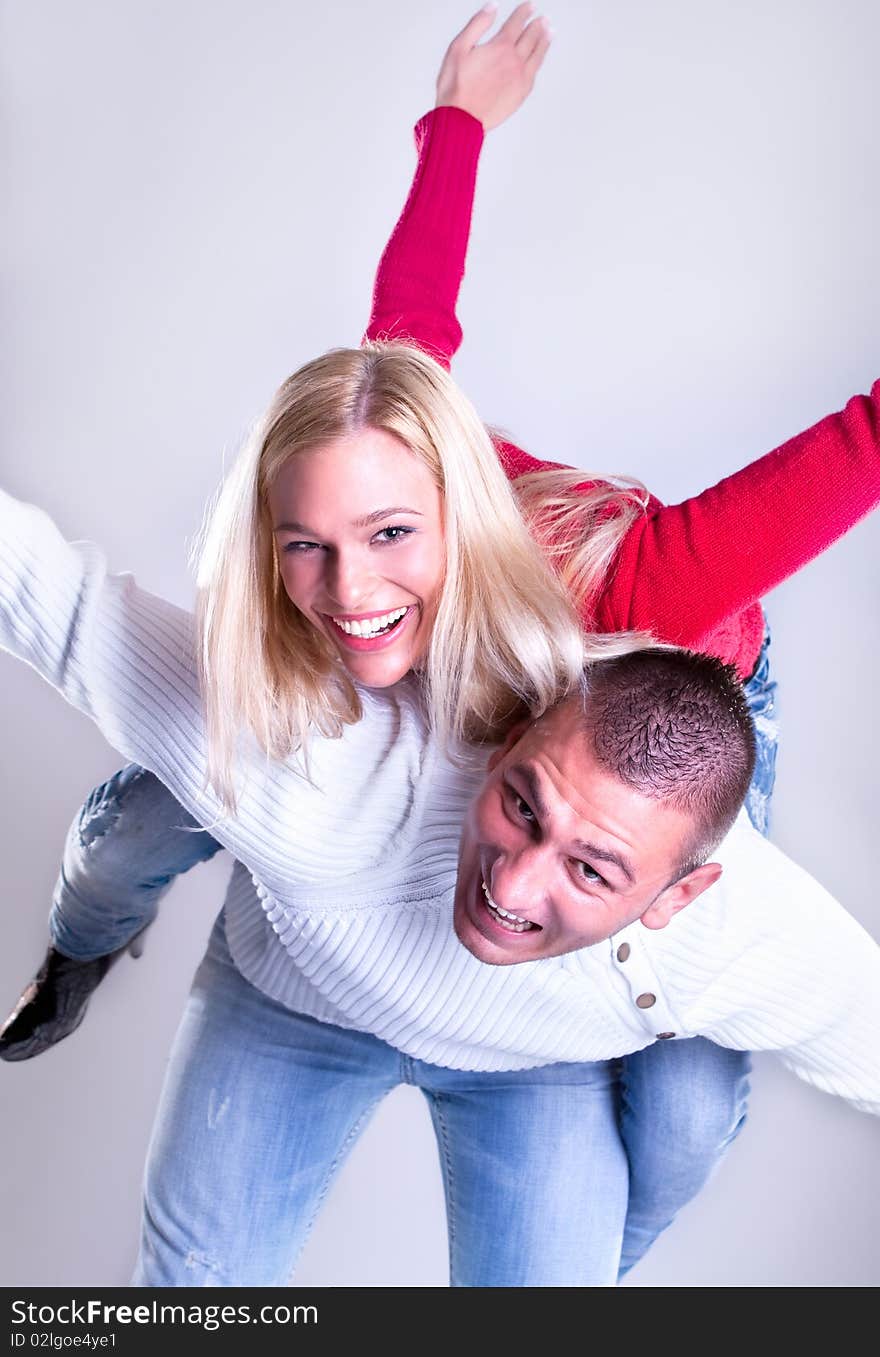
point(557, 853)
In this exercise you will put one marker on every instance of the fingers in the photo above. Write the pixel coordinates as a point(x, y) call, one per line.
point(530, 36)
point(515, 23)
point(490, 76)
point(476, 28)
point(533, 44)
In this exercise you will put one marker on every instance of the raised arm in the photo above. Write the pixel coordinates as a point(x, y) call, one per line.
point(681, 570)
point(480, 84)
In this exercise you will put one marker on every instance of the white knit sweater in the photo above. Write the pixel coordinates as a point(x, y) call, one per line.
point(341, 903)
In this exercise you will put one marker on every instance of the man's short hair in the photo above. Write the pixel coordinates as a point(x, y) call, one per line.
point(676, 727)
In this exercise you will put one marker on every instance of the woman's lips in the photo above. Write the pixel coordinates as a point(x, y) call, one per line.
point(381, 640)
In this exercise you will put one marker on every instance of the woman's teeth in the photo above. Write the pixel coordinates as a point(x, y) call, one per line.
point(512, 922)
point(371, 626)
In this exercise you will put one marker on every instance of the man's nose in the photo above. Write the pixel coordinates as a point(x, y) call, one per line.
point(519, 881)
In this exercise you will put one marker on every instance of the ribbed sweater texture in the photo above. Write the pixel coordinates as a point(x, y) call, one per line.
point(340, 903)
point(354, 869)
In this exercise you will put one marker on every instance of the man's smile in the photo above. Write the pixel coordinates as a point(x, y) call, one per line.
point(512, 923)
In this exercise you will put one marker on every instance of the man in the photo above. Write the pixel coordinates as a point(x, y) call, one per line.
point(596, 824)
point(591, 833)
point(647, 1011)
point(604, 811)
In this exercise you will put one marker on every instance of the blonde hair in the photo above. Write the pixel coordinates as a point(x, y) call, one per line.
point(505, 636)
point(579, 522)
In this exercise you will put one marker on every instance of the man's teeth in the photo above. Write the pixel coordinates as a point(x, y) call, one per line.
point(371, 626)
point(504, 916)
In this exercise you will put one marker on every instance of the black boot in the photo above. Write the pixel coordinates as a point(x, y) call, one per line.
point(53, 1004)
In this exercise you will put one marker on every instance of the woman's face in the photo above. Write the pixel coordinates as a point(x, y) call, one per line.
point(359, 533)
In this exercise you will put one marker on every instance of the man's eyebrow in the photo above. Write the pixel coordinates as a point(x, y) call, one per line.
point(533, 787)
point(589, 850)
point(366, 522)
point(593, 851)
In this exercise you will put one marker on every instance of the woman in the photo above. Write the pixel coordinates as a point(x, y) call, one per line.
point(611, 524)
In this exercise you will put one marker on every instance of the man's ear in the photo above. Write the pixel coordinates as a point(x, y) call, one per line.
point(513, 736)
point(680, 893)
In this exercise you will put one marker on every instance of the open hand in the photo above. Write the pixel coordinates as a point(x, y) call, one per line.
point(491, 79)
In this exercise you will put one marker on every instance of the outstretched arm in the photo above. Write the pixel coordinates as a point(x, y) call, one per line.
point(682, 569)
point(123, 657)
point(480, 84)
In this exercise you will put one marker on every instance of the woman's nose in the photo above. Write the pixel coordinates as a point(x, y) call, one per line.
point(348, 581)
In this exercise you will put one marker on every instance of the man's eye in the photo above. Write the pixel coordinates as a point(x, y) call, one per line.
point(396, 533)
point(523, 809)
point(589, 874)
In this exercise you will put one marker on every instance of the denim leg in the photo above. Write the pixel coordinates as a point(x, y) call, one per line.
point(683, 1102)
point(259, 1109)
point(761, 696)
point(534, 1172)
point(123, 850)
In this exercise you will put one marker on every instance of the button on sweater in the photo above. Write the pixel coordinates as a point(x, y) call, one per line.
point(341, 905)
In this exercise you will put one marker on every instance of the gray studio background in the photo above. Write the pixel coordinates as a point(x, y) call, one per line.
point(674, 266)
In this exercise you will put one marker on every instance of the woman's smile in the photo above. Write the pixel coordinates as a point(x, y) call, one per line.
point(358, 528)
point(371, 631)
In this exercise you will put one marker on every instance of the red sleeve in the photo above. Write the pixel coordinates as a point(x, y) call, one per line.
point(420, 272)
point(683, 568)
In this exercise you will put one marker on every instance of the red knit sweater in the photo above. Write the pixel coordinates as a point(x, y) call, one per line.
point(691, 573)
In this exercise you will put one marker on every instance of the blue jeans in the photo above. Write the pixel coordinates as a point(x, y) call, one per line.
point(761, 696)
point(680, 1104)
point(122, 852)
point(261, 1106)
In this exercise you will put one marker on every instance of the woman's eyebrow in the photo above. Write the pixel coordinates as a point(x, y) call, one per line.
point(291, 525)
point(377, 514)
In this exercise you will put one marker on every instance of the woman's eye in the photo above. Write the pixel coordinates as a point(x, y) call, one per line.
point(393, 534)
point(300, 548)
